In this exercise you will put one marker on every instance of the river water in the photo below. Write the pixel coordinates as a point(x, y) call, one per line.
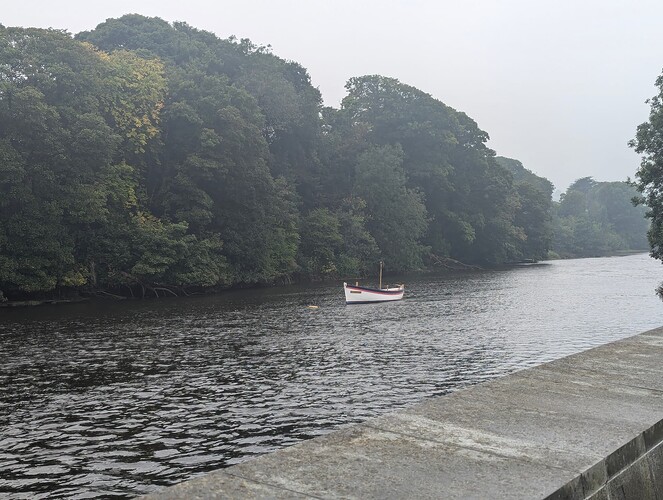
point(121, 399)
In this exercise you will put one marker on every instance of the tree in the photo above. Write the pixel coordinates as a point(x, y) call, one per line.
point(469, 199)
point(397, 213)
point(145, 156)
point(594, 219)
point(228, 107)
point(135, 89)
point(648, 142)
point(75, 128)
point(360, 251)
point(534, 212)
point(54, 148)
point(616, 202)
point(321, 241)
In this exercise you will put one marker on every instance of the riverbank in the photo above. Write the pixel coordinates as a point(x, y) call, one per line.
point(31, 303)
point(72, 296)
point(586, 426)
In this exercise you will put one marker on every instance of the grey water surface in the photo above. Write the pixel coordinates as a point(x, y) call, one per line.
point(121, 399)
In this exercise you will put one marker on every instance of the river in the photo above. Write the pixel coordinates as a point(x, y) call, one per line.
point(121, 399)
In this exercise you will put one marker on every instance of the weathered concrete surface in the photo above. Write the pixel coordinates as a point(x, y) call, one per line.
point(586, 426)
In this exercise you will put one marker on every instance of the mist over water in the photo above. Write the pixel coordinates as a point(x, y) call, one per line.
point(120, 399)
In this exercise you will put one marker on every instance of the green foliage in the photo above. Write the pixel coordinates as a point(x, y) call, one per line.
point(597, 218)
point(69, 204)
point(163, 253)
point(360, 251)
point(51, 147)
point(398, 214)
point(534, 210)
point(648, 142)
point(338, 244)
point(135, 89)
point(145, 158)
point(469, 199)
point(216, 171)
point(321, 241)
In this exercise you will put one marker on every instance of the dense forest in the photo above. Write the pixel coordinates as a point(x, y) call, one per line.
point(598, 218)
point(148, 158)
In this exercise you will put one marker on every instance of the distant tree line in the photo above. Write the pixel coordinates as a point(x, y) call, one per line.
point(593, 219)
point(149, 158)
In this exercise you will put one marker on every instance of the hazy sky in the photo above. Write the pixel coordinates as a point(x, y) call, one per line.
point(559, 85)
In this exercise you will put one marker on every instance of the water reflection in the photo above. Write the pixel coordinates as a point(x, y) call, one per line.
point(121, 399)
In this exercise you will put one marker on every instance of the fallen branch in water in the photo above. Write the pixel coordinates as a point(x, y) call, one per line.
point(101, 292)
point(164, 290)
point(455, 265)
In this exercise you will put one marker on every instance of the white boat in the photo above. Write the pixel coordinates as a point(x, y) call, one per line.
point(355, 294)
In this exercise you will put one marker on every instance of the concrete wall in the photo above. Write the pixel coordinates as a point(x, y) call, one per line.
point(586, 426)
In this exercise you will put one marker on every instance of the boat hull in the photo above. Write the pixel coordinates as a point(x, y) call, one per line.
point(362, 295)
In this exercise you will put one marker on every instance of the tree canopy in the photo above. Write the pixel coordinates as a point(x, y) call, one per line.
point(648, 142)
point(144, 158)
point(597, 218)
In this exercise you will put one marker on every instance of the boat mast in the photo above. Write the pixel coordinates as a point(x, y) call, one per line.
point(380, 274)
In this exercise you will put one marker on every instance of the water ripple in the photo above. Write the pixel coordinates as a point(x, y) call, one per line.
point(117, 400)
